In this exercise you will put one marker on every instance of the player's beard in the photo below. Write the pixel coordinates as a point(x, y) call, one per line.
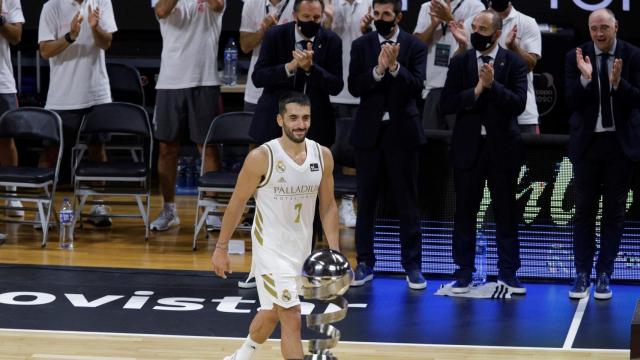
point(289, 133)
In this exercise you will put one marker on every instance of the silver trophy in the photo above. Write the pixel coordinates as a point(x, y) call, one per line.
point(326, 276)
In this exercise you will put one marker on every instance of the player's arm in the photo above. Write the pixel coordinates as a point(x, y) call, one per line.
point(252, 172)
point(328, 208)
point(12, 32)
point(164, 7)
point(216, 5)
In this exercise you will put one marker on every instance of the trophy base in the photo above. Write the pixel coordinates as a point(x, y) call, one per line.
point(320, 357)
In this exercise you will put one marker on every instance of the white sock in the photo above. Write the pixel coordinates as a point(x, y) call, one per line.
point(348, 197)
point(170, 206)
point(247, 350)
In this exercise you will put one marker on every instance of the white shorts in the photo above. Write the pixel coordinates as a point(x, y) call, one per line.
point(282, 290)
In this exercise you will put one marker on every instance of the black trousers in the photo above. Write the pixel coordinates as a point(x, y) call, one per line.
point(469, 186)
point(603, 171)
point(401, 168)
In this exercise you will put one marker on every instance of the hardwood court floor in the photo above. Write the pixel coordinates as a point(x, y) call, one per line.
point(123, 246)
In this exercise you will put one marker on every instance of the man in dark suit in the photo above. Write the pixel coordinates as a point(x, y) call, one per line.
point(304, 57)
point(486, 88)
point(387, 73)
point(603, 92)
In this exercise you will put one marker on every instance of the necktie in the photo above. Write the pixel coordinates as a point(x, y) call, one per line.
point(387, 42)
point(486, 59)
point(605, 92)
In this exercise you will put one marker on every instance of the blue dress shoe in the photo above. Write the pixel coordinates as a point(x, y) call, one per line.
point(514, 285)
point(581, 286)
point(603, 291)
point(362, 274)
point(415, 280)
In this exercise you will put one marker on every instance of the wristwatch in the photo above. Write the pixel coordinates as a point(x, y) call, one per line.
point(67, 37)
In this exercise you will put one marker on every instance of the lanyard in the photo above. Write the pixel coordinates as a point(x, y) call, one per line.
point(279, 12)
point(446, 26)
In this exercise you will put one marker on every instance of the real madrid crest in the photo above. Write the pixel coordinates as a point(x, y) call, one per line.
point(286, 295)
point(280, 166)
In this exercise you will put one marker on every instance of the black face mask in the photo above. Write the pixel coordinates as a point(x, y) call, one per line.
point(384, 28)
point(499, 5)
point(481, 42)
point(308, 28)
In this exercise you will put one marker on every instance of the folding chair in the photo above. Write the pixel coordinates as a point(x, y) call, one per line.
point(343, 155)
point(226, 129)
point(125, 84)
point(35, 185)
point(127, 177)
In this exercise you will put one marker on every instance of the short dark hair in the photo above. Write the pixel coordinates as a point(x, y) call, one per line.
point(397, 4)
point(296, 4)
point(292, 98)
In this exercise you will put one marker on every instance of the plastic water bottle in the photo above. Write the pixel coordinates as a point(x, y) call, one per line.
point(231, 63)
point(66, 225)
point(480, 276)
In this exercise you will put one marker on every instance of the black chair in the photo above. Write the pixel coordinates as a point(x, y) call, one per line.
point(34, 185)
point(119, 176)
point(343, 155)
point(226, 129)
point(125, 84)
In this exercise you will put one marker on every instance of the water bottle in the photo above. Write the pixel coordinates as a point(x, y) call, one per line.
point(66, 225)
point(480, 276)
point(231, 63)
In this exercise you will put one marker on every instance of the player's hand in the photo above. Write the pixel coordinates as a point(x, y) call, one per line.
point(486, 75)
point(268, 21)
point(584, 64)
point(365, 21)
point(94, 17)
point(392, 51)
point(512, 38)
point(442, 10)
point(459, 32)
point(616, 73)
point(221, 263)
point(75, 26)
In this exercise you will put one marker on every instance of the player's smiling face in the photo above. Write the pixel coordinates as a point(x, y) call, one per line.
point(295, 122)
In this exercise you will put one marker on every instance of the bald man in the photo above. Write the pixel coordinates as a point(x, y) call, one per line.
point(603, 90)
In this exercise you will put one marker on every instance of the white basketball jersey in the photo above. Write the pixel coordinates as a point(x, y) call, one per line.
point(285, 206)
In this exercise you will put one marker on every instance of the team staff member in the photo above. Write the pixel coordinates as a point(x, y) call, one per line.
point(11, 20)
point(602, 85)
point(74, 35)
point(188, 89)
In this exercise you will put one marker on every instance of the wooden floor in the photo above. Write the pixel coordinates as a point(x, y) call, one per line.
point(123, 246)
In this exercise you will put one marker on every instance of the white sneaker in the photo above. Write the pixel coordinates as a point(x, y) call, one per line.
point(213, 222)
point(15, 212)
point(168, 218)
point(248, 283)
point(97, 216)
point(346, 213)
point(230, 357)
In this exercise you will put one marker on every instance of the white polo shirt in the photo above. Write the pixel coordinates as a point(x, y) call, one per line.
point(253, 12)
point(530, 40)
point(78, 77)
point(444, 45)
point(346, 23)
point(190, 37)
point(12, 12)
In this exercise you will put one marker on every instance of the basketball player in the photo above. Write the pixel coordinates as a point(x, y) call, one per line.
point(286, 175)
